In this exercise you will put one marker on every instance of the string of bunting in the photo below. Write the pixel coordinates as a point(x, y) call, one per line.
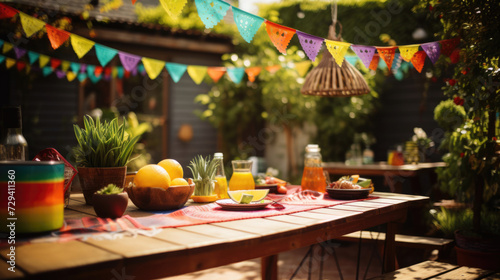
point(211, 12)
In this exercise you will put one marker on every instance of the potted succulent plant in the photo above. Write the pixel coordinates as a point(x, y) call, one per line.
point(102, 154)
point(110, 202)
point(203, 170)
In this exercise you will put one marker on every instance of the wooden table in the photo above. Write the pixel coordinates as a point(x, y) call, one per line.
point(175, 251)
point(394, 175)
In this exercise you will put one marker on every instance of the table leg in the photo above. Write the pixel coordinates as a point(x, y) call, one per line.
point(269, 267)
point(390, 248)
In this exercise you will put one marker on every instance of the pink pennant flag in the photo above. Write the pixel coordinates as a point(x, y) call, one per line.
point(6, 11)
point(433, 50)
point(365, 53)
point(387, 54)
point(310, 44)
point(129, 61)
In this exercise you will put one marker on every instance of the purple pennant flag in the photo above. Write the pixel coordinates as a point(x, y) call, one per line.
point(365, 53)
point(60, 74)
point(433, 50)
point(134, 71)
point(20, 52)
point(83, 68)
point(310, 44)
point(129, 61)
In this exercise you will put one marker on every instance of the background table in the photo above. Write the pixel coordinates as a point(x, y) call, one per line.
point(175, 251)
point(394, 175)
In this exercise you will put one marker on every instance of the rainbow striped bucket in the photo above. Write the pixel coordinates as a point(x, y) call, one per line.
point(31, 196)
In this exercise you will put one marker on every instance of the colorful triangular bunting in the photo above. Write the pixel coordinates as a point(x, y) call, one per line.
point(408, 51)
point(129, 61)
point(374, 63)
point(387, 55)
point(418, 60)
point(81, 45)
point(81, 77)
point(197, 73)
point(30, 24)
point(65, 65)
point(54, 63)
point(310, 44)
point(176, 70)
point(2, 58)
point(247, 23)
point(33, 56)
point(70, 76)
point(236, 74)
point(173, 7)
point(104, 54)
point(433, 50)
point(365, 53)
point(43, 60)
point(253, 72)
point(216, 73)
point(46, 71)
point(20, 52)
point(279, 35)
point(6, 11)
point(337, 49)
point(75, 67)
point(56, 36)
point(302, 67)
point(7, 47)
point(211, 12)
point(153, 67)
point(273, 68)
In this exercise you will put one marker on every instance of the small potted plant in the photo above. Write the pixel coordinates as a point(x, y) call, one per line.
point(102, 154)
point(203, 170)
point(110, 202)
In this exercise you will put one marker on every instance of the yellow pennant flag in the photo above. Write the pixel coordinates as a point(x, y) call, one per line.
point(114, 72)
point(9, 62)
point(81, 45)
point(197, 73)
point(43, 60)
point(153, 67)
point(337, 49)
point(173, 7)
point(28, 69)
point(7, 47)
point(30, 24)
point(408, 51)
point(302, 67)
point(70, 76)
point(65, 65)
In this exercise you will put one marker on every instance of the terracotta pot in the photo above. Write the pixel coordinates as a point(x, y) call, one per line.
point(110, 205)
point(93, 179)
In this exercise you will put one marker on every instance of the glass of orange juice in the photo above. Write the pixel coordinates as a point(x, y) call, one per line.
point(242, 178)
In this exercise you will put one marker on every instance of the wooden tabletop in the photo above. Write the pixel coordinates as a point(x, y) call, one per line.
point(175, 251)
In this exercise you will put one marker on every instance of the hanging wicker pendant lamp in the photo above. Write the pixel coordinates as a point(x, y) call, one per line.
point(328, 78)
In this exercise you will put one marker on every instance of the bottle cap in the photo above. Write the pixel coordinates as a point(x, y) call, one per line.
point(218, 155)
point(312, 148)
point(12, 117)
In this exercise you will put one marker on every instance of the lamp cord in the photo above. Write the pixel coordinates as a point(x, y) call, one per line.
point(334, 12)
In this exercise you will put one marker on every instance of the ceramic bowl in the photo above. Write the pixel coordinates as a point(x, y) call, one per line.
point(158, 199)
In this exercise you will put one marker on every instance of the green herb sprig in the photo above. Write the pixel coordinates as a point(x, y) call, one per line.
point(110, 189)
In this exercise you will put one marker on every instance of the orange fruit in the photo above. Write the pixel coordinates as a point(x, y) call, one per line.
point(173, 168)
point(152, 175)
point(179, 182)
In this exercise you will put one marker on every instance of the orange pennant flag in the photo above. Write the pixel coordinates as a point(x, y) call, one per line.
point(6, 11)
point(387, 54)
point(56, 36)
point(54, 63)
point(374, 63)
point(98, 71)
point(273, 68)
point(133, 2)
point(418, 60)
point(216, 73)
point(253, 72)
point(279, 35)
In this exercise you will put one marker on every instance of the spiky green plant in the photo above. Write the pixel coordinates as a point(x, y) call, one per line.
point(110, 189)
point(102, 144)
point(203, 170)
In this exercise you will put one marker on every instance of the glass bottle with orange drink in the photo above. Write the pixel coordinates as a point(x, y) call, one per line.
point(220, 178)
point(242, 178)
point(313, 177)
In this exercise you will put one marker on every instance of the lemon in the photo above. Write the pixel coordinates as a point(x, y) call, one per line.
point(173, 168)
point(258, 195)
point(152, 175)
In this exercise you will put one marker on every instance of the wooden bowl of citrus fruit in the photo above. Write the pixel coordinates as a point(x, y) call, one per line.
point(158, 187)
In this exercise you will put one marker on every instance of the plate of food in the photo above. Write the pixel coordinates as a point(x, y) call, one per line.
point(229, 204)
point(350, 187)
point(273, 184)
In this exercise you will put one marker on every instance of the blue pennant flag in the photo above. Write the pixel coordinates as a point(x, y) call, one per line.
point(82, 76)
point(46, 70)
point(75, 67)
point(176, 70)
point(211, 12)
point(120, 72)
point(2, 58)
point(236, 74)
point(33, 56)
point(247, 23)
point(104, 54)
